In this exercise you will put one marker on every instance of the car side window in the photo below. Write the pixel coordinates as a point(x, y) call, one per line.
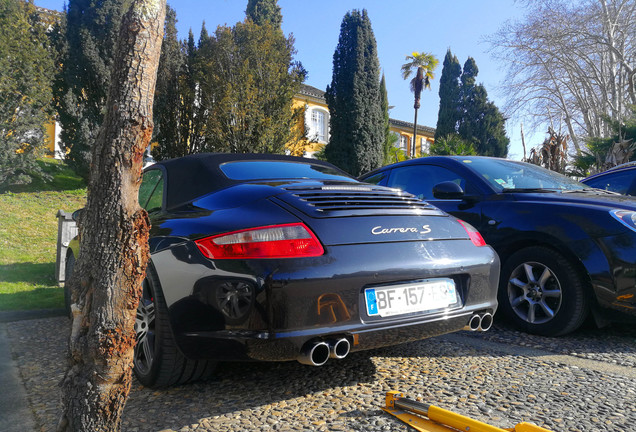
point(378, 179)
point(619, 182)
point(420, 180)
point(151, 190)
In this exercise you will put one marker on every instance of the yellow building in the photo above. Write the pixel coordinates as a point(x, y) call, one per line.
point(52, 140)
point(316, 119)
point(316, 124)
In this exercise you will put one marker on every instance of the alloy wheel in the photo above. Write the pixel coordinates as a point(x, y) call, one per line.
point(534, 292)
point(145, 330)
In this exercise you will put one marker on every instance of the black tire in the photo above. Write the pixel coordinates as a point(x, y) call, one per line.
point(157, 361)
point(542, 292)
point(68, 271)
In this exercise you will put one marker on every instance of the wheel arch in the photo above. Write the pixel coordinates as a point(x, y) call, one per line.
point(73, 247)
point(553, 243)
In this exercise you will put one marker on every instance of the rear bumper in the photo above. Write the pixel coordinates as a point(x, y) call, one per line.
point(300, 301)
point(287, 346)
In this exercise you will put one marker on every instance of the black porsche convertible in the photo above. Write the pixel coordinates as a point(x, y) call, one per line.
point(265, 257)
point(567, 250)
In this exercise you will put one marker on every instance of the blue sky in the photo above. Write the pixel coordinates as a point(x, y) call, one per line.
point(400, 27)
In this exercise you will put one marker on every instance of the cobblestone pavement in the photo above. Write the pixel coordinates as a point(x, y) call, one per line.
point(583, 382)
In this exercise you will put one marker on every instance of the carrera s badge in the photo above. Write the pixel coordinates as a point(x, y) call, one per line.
point(380, 230)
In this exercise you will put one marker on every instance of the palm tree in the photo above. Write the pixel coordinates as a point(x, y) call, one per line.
point(452, 144)
point(424, 64)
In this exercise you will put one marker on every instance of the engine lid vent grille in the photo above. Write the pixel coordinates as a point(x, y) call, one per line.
point(354, 200)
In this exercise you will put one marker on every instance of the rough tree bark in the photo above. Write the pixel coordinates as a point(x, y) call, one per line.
point(106, 283)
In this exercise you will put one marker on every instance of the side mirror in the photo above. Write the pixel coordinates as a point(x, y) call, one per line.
point(448, 190)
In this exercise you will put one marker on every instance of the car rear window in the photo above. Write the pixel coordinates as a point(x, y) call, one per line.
point(270, 170)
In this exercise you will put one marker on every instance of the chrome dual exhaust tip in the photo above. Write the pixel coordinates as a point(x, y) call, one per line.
point(339, 348)
point(314, 354)
point(317, 353)
point(486, 322)
point(480, 322)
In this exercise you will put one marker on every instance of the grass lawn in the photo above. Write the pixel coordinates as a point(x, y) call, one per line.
point(28, 238)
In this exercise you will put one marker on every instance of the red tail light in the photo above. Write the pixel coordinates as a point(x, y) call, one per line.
point(473, 234)
point(278, 241)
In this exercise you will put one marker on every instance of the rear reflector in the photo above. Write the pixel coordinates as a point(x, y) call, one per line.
point(278, 241)
point(473, 234)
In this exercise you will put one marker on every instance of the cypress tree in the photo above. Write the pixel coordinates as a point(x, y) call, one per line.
point(388, 138)
point(449, 97)
point(90, 36)
point(203, 35)
point(357, 134)
point(193, 107)
point(171, 142)
point(264, 12)
point(491, 135)
point(481, 123)
point(472, 99)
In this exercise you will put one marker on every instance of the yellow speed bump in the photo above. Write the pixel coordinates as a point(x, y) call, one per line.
point(429, 418)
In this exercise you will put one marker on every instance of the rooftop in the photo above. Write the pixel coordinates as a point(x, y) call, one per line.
point(314, 92)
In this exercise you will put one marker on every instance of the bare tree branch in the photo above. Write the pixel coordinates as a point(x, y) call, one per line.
point(575, 59)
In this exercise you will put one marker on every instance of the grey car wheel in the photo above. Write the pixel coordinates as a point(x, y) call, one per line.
point(534, 292)
point(543, 292)
point(157, 361)
point(145, 330)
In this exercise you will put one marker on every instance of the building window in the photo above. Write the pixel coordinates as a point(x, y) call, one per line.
point(425, 146)
point(318, 122)
point(404, 143)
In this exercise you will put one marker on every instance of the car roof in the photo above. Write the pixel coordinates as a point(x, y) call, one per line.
point(198, 174)
point(622, 167)
point(429, 159)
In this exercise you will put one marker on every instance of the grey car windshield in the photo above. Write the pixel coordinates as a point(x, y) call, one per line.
point(505, 175)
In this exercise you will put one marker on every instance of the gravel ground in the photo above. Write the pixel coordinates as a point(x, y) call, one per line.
point(584, 382)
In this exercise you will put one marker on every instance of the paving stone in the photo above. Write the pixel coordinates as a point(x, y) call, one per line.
point(502, 377)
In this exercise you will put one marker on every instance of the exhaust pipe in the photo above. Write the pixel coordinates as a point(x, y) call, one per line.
point(486, 322)
point(314, 354)
point(339, 348)
point(473, 323)
point(480, 322)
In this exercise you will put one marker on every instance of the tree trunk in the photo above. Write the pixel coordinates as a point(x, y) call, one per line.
point(106, 283)
point(412, 149)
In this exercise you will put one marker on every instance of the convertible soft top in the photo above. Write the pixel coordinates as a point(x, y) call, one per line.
point(199, 174)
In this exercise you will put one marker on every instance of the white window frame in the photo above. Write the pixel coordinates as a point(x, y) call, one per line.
point(425, 146)
point(314, 134)
point(403, 144)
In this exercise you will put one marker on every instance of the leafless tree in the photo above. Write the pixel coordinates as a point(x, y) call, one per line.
point(106, 283)
point(570, 63)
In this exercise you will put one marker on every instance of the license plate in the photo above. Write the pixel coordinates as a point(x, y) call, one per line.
point(422, 296)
